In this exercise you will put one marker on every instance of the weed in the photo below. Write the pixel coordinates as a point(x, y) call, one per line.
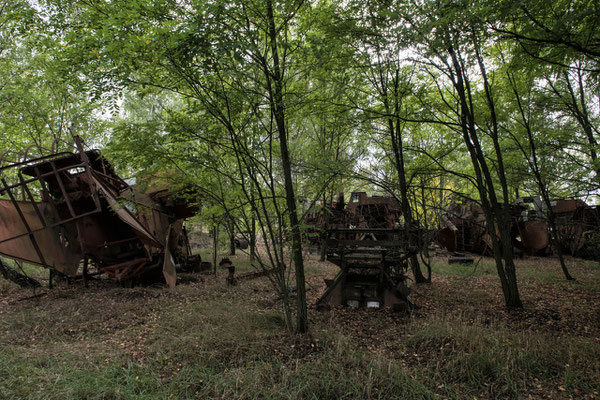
point(205, 340)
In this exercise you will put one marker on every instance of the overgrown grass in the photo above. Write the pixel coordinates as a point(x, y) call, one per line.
point(505, 363)
point(208, 341)
point(35, 374)
point(480, 267)
point(241, 259)
point(212, 350)
point(544, 270)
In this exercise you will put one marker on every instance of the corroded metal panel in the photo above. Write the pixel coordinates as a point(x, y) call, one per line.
point(534, 236)
point(15, 241)
point(79, 208)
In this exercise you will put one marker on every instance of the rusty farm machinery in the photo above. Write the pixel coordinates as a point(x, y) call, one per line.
point(578, 226)
point(69, 211)
point(373, 266)
point(364, 239)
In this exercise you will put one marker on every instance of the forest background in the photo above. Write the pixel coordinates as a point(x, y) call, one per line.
point(268, 107)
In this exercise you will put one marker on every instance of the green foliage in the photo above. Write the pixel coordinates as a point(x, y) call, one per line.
point(40, 99)
point(185, 94)
point(192, 72)
point(189, 94)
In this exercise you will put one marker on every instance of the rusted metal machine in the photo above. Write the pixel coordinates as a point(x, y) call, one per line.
point(318, 218)
point(530, 227)
point(75, 209)
point(362, 211)
point(464, 229)
point(364, 239)
point(578, 226)
point(373, 267)
point(372, 212)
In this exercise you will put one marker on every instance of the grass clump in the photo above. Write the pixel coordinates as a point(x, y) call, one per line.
point(207, 340)
point(37, 374)
point(505, 363)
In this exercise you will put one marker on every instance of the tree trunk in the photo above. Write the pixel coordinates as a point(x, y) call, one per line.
point(556, 245)
point(232, 240)
point(84, 272)
point(253, 238)
point(215, 245)
point(405, 205)
point(495, 215)
point(277, 107)
point(534, 166)
point(252, 227)
point(426, 236)
point(323, 249)
point(395, 132)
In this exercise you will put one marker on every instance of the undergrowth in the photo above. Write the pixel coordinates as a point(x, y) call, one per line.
point(208, 341)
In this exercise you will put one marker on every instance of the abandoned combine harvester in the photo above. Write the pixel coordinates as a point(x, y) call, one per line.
point(529, 228)
point(578, 224)
point(362, 211)
point(464, 229)
point(364, 240)
point(75, 209)
point(373, 267)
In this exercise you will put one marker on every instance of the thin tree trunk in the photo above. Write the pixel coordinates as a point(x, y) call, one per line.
point(277, 106)
point(578, 108)
point(84, 272)
point(252, 228)
point(253, 238)
point(232, 240)
point(395, 132)
point(556, 245)
point(534, 166)
point(425, 225)
point(324, 229)
point(215, 245)
point(495, 216)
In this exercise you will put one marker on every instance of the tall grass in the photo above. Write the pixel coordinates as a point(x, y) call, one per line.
point(208, 341)
point(504, 363)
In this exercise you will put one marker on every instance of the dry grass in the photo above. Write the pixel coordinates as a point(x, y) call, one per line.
point(205, 340)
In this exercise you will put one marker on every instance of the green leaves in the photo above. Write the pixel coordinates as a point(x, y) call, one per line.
point(183, 83)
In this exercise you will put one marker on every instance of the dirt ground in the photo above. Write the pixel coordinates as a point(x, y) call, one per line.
point(462, 296)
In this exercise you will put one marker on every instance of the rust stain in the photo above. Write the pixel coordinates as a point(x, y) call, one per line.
point(75, 207)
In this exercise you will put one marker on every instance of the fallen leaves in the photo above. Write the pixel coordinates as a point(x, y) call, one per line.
point(105, 316)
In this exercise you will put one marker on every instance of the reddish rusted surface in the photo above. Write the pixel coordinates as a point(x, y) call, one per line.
point(361, 211)
point(561, 206)
point(76, 207)
point(464, 229)
point(16, 243)
point(373, 212)
point(578, 226)
point(365, 240)
point(530, 227)
point(533, 237)
point(372, 271)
